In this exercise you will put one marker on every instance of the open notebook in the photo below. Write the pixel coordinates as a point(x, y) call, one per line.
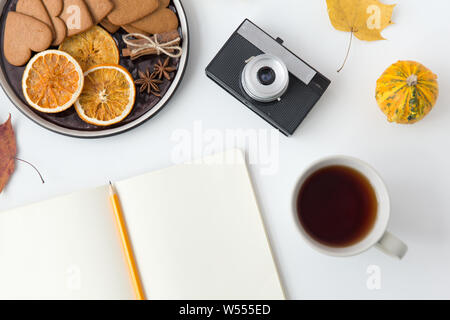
point(196, 232)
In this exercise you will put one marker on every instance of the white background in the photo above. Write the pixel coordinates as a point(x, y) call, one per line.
point(413, 160)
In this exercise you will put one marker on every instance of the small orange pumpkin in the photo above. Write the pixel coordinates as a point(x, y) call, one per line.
point(406, 92)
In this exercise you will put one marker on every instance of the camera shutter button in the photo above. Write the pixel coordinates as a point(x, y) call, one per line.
point(279, 40)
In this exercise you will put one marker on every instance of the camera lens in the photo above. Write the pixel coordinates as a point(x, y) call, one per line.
point(266, 76)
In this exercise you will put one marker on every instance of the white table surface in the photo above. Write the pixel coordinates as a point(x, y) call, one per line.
point(413, 160)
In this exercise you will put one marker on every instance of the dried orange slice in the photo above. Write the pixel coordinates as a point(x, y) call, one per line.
point(93, 47)
point(108, 95)
point(52, 81)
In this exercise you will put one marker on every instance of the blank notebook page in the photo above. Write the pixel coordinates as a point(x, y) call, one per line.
point(197, 232)
point(64, 248)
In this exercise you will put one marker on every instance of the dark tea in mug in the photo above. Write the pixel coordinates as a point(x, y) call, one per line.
point(337, 206)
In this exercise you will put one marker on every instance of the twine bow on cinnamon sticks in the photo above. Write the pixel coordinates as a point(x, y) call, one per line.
point(139, 45)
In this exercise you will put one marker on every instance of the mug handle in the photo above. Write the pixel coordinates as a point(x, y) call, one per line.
point(392, 245)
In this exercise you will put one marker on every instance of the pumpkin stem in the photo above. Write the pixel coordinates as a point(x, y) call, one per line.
point(412, 80)
point(348, 51)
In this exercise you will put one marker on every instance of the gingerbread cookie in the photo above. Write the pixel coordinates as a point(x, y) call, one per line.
point(162, 20)
point(163, 3)
point(54, 9)
point(127, 11)
point(37, 10)
point(112, 28)
point(77, 17)
point(99, 9)
point(24, 34)
point(130, 29)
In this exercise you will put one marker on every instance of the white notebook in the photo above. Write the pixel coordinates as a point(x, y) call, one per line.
point(196, 231)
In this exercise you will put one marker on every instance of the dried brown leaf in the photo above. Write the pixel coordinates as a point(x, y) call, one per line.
point(8, 152)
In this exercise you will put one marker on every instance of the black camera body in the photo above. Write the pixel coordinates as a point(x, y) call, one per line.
point(268, 78)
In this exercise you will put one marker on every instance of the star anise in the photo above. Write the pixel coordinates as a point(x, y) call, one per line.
point(149, 83)
point(162, 69)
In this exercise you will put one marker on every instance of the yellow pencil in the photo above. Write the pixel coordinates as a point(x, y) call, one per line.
point(126, 244)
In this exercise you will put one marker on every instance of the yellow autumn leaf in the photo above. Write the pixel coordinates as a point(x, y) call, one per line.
point(364, 18)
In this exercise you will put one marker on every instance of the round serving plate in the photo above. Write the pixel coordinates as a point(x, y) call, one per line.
point(147, 109)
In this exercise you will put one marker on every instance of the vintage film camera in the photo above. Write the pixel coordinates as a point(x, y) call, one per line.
point(268, 78)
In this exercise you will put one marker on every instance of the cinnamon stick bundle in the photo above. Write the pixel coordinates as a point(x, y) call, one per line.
point(161, 38)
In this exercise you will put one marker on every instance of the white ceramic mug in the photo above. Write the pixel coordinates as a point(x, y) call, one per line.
point(378, 236)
